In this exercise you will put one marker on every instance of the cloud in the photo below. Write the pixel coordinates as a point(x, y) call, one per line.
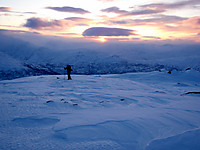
point(77, 19)
point(153, 8)
point(183, 29)
point(45, 24)
point(190, 25)
point(33, 13)
point(143, 12)
point(103, 31)
point(165, 6)
point(69, 9)
point(9, 12)
point(5, 9)
point(131, 13)
point(152, 37)
point(192, 22)
point(160, 19)
point(81, 24)
point(39, 23)
point(114, 10)
point(173, 27)
point(120, 22)
point(13, 31)
point(155, 20)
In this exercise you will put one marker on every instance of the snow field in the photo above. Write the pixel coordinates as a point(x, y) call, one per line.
point(129, 111)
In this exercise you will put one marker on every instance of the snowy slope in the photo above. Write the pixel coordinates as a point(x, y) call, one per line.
point(93, 112)
point(7, 63)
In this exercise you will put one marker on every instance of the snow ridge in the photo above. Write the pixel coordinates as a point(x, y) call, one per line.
point(187, 140)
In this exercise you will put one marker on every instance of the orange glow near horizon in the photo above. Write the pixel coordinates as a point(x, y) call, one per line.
point(101, 39)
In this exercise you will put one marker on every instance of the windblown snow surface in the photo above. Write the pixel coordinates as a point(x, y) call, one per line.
point(133, 111)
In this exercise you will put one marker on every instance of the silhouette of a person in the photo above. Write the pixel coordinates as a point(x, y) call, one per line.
point(69, 69)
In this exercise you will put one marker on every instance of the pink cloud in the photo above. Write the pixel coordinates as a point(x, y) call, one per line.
point(40, 24)
point(114, 10)
point(5, 9)
point(175, 5)
point(69, 9)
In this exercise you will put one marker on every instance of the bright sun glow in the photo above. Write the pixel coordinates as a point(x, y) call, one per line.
point(102, 39)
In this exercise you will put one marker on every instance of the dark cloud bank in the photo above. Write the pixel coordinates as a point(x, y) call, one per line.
point(69, 9)
point(103, 31)
point(38, 23)
point(25, 54)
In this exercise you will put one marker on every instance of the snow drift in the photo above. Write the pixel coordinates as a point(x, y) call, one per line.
point(135, 111)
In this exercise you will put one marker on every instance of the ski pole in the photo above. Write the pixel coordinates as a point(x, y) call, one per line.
point(64, 74)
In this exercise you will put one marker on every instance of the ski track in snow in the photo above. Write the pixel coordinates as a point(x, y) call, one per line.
point(134, 111)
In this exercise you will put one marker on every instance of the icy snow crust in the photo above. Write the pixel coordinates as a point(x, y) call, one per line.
point(134, 111)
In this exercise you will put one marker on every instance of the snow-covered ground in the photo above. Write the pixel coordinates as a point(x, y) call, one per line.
point(134, 111)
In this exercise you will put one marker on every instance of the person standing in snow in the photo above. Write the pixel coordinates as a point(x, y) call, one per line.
point(69, 69)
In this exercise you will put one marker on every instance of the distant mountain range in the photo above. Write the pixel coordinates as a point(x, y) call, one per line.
point(19, 57)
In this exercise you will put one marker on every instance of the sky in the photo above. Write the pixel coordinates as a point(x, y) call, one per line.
point(104, 20)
